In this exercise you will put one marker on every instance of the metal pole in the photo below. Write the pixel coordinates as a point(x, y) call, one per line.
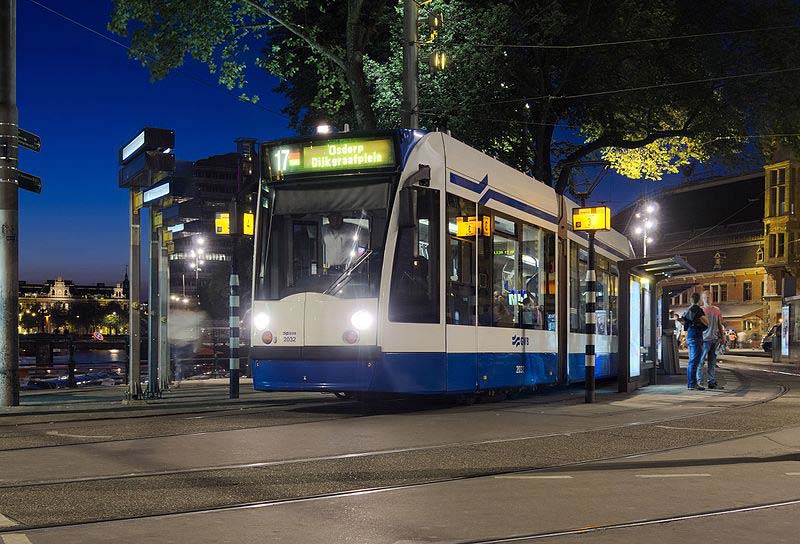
point(644, 243)
point(152, 312)
point(233, 340)
point(591, 299)
point(163, 312)
point(134, 317)
point(410, 104)
point(9, 208)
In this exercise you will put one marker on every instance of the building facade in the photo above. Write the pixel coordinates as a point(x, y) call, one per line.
point(721, 226)
point(61, 306)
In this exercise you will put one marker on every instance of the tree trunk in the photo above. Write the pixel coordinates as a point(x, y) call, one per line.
point(359, 93)
point(542, 144)
point(357, 36)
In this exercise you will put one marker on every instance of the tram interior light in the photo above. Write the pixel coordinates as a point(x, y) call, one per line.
point(362, 320)
point(261, 321)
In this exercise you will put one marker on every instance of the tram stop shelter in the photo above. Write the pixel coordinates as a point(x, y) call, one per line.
point(648, 343)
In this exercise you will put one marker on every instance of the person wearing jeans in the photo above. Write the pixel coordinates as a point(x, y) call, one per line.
point(712, 336)
point(695, 322)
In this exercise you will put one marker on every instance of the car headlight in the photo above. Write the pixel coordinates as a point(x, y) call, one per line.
point(362, 320)
point(261, 321)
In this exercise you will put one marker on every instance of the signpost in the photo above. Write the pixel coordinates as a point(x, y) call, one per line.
point(591, 220)
point(11, 179)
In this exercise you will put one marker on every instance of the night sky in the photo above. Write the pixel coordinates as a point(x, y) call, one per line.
point(86, 98)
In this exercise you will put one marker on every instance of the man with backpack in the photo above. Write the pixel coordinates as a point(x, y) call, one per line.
point(695, 322)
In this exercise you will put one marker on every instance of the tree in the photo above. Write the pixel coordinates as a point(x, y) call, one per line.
point(322, 44)
point(640, 95)
point(87, 315)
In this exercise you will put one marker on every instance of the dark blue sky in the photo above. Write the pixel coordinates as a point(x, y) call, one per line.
point(86, 98)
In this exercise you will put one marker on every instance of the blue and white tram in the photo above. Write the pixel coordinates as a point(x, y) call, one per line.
point(408, 262)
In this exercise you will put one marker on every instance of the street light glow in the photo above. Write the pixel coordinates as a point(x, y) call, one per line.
point(638, 230)
point(651, 208)
point(201, 241)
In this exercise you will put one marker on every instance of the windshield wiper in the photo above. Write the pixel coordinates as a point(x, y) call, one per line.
point(344, 277)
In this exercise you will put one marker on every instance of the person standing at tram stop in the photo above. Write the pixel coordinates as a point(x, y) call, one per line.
point(713, 336)
point(695, 322)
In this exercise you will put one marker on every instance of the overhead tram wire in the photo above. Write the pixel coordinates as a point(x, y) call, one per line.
point(641, 40)
point(184, 73)
point(646, 87)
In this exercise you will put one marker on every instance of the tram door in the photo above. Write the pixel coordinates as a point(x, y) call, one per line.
point(463, 232)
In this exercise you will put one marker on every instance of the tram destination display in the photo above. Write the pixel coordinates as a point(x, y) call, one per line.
point(337, 155)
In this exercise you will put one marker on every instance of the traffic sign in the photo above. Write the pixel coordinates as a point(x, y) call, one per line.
point(598, 218)
point(248, 224)
point(222, 223)
point(29, 140)
point(29, 182)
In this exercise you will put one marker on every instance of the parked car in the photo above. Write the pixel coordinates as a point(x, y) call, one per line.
point(766, 342)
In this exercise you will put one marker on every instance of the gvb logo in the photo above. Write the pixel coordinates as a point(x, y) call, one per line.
point(520, 341)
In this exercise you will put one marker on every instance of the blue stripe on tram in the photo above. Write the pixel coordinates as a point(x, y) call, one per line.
point(421, 372)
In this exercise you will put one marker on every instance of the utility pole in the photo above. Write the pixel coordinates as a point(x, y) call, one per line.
point(410, 103)
point(9, 207)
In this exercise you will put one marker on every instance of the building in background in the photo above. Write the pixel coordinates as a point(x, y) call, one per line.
point(717, 225)
point(61, 306)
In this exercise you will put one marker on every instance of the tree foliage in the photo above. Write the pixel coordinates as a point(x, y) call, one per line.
point(648, 108)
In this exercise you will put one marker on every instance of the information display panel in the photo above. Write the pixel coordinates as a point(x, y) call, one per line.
point(336, 155)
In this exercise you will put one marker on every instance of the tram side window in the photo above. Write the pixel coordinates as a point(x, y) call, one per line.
point(535, 266)
point(460, 263)
point(498, 273)
point(601, 294)
point(414, 295)
point(579, 264)
point(613, 297)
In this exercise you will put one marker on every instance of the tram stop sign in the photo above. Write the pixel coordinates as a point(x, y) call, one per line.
point(591, 219)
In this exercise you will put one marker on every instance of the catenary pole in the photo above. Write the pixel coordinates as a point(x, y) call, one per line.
point(9, 207)
point(410, 103)
point(591, 321)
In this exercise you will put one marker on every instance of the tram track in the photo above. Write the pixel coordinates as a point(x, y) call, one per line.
point(333, 470)
point(438, 481)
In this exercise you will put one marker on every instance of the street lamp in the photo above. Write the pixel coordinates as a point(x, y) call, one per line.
point(646, 225)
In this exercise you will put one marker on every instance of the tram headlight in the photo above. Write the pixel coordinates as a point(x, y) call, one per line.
point(261, 321)
point(362, 320)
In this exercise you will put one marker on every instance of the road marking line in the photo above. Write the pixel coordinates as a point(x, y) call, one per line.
point(56, 433)
point(531, 477)
point(697, 429)
point(15, 538)
point(699, 475)
point(7, 522)
point(793, 473)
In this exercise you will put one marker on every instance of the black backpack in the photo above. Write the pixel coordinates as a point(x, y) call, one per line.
point(691, 318)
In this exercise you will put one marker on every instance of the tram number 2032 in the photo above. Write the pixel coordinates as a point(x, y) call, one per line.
point(289, 337)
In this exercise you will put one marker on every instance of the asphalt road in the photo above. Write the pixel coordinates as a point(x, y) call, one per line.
point(459, 474)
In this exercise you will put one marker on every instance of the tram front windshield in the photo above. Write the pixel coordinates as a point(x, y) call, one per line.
point(325, 245)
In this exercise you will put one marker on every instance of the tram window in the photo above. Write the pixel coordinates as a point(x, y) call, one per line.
point(613, 293)
point(460, 265)
point(414, 295)
point(506, 288)
point(534, 281)
point(601, 299)
point(579, 264)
